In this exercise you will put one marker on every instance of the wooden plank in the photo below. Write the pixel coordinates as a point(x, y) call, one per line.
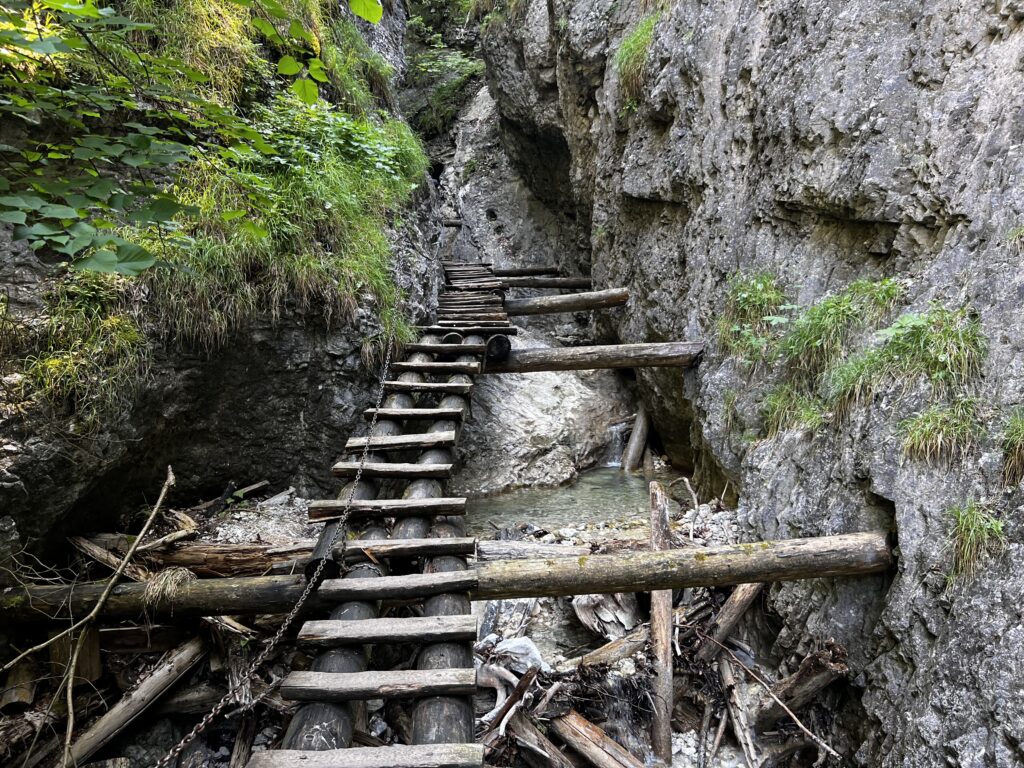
point(571, 302)
point(392, 587)
point(331, 634)
point(661, 635)
point(673, 353)
point(420, 756)
point(447, 349)
point(416, 414)
point(444, 439)
point(329, 509)
point(444, 387)
point(592, 742)
point(436, 366)
point(468, 330)
point(526, 272)
point(546, 282)
point(389, 469)
point(361, 686)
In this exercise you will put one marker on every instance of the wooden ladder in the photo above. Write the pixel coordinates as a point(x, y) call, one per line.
point(427, 531)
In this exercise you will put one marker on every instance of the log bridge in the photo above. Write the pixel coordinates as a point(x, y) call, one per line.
point(421, 558)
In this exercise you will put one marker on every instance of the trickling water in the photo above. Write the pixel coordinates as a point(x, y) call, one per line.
point(616, 444)
point(603, 494)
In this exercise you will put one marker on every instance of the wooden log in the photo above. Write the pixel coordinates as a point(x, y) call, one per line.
point(727, 619)
point(147, 639)
point(591, 742)
point(424, 756)
point(330, 634)
point(525, 271)
point(546, 282)
point(329, 509)
point(634, 452)
point(19, 689)
point(242, 749)
point(406, 684)
point(537, 750)
point(571, 302)
point(465, 330)
point(852, 554)
point(170, 669)
point(498, 348)
point(436, 367)
point(673, 353)
point(815, 673)
point(89, 667)
point(401, 442)
point(661, 635)
point(399, 587)
point(447, 348)
point(392, 469)
point(442, 387)
point(413, 414)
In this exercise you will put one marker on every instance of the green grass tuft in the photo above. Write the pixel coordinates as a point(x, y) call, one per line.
point(976, 533)
point(1013, 448)
point(631, 60)
point(944, 346)
point(942, 432)
point(817, 336)
point(750, 317)
point(786, 408)
point(445, 78)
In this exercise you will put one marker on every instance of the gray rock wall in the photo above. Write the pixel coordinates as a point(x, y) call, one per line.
point(822, 141)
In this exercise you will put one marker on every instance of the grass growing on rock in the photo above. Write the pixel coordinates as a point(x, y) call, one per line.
point(631, 61)
point(785, 408)
point(1013, 448)
point(752, 303)
point(976, 533)
point(942, 432)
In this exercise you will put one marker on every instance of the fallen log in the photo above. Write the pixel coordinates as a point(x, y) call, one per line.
point(661, 635)
point(591, 742)
point(536, 749)
point(170, 669)
point(727, 619)
point(634, 451)
point(852, 554)
point(546, 282)
point(816, 672)
point(670, 353)
point(525, 271)
point(570, 302)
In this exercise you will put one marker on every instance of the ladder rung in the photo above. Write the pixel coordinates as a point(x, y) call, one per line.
point(398, 587)
point(362, 686)
point(415, 414)
point(444, 439)
point(408, 548)
point(399, 756)
point(436, 367)
point(468, 329)
point(434, 629)
point(329, 509)
point(445, 387)
point(447, 349)
point(393, 469)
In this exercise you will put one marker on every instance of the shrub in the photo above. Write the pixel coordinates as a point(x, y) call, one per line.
point(631, 59)
point(1013, 448)
point(785, 408)
point(976, 533)
point(752, 303)
point(818, 334)
point(941, 432)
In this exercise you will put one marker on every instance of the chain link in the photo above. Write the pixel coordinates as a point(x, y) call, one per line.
point(311, 586)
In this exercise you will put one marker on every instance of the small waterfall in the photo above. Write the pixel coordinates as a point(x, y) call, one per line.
point(617, 434)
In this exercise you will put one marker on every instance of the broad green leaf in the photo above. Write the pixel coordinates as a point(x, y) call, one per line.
point(12, 217)
point(287, 65)
point(316, 70)
point(55, 211)
point(306, 90)
point(299, 32)
point(371, 10)
point(99, 261)
point(268, 30)
point(232, 215)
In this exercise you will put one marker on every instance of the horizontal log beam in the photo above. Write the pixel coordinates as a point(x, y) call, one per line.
point(546, 282)
point(570, 302)
point(670, 353)
point(525, 271)
point(854, 554)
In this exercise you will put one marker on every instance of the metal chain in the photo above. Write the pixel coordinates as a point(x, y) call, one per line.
point(311, 586)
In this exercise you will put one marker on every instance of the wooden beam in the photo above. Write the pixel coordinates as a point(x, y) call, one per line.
point(525, 271)
point(448, 349)
point(671, 353)
point(591, 742)
point(436, 367)
point(444, 387)
point(331, 634)
point(361, 686)
point(570, 302)
point(633, 454)
point(851, 554)
point(420, 440)
point(468, 329)
point(546, 282)
point(420, 756)
point(392, 469)
point(661, 635)
point(331, 509)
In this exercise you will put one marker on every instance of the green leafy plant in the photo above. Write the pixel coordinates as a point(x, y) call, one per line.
point(786, 408)
point(976, 533)
point(1013, 448)
point(817, 335)
point(942, 432)
point(445, 77)
point(750, 320)
point(631, 59)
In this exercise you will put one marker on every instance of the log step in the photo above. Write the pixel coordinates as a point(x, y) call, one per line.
point(415, 414)
point(330, 509)
point(399, 756)
point(436, 367)
point(467, 330)
point(408, 548)
point(447, 349)
point(444, 387)
point(393, 469)
point(414, 585)
point(362, 686)
point(444, 439)
point(489, 326)
point(434, 629)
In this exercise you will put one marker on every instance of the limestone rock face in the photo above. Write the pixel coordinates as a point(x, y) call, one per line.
point(823, 142)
